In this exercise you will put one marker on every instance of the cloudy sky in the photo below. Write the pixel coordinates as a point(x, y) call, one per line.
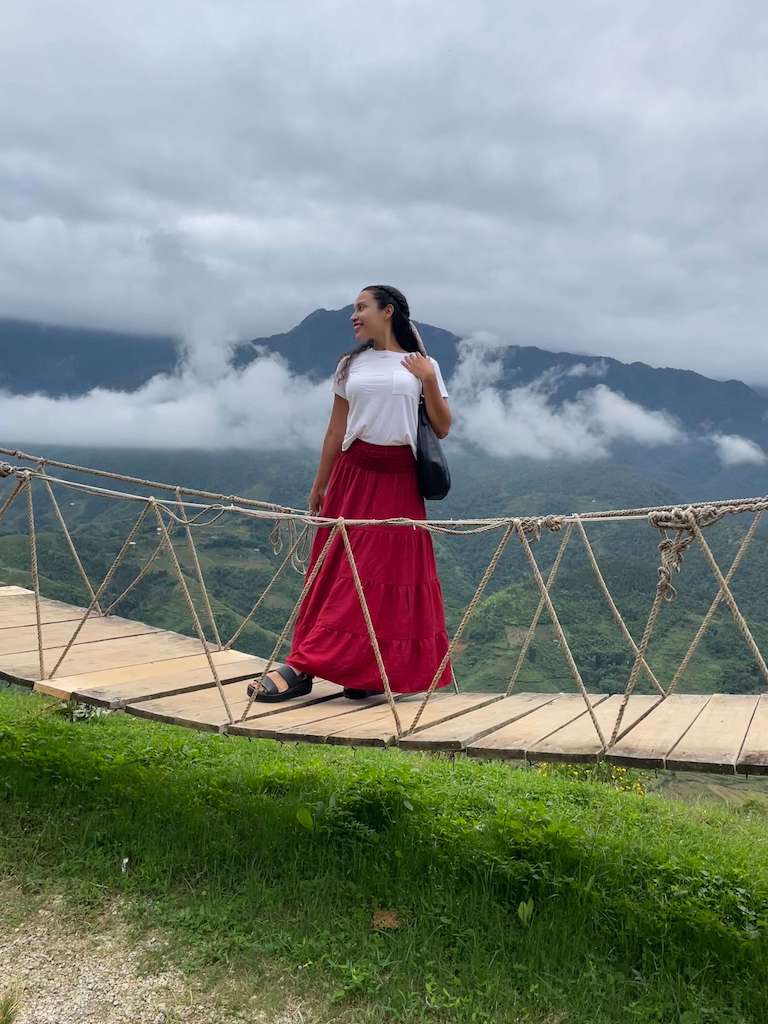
point(587, 176)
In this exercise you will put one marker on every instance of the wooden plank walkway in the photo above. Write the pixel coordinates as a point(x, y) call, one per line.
point(163, 676)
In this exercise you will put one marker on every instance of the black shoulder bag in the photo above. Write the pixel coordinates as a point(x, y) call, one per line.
point(431, 466)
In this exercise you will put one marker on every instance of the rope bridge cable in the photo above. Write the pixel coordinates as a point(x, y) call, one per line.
point(125, 478)
point(706, 512)
point(680, 527)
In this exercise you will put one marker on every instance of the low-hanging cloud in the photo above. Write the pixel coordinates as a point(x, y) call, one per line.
point(735, 450)
point(529, 421)
point(262, 406)
point(211, 405)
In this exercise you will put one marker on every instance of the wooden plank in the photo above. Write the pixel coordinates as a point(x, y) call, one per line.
point(649, 742)
point(103, 654)
point(753, 756)
point(150, 686)
point(376, 728)
point(714, 740)
point(23, 617)
point(293, 715)
point(20, 610)
point(146, 670)
point(10, 591)
point(204, 710)
point(579, 741)
point(58, 634)
point(456, 733)
point(515, 739)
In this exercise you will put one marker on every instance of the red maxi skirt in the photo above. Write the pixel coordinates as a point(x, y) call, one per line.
point(397, 569)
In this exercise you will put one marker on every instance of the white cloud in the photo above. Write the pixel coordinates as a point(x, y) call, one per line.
point(210, 405)
point(599, 368)
point(262, 406)
point(734, 450)
point(529, 421)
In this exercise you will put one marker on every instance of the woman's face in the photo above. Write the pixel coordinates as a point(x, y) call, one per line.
point(368, 321)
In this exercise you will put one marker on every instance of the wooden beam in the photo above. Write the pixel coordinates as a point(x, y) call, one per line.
point(753, 756)
point(204, 709)
point(458, 732)
point(649, 742)
point(293, 715)
point(513, 741)
point(103, 654)
point(715, 738)
point(376, 728)
point(19, 610)
point(152, 685)
point(57, 634)
point(578, 740)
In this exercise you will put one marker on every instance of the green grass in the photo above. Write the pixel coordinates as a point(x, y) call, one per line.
point(522, 895)
point(9, 1007)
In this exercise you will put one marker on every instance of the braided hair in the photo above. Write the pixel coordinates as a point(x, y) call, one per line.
point(384, 295)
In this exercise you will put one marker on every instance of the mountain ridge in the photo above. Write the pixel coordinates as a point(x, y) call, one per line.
point(68, 361)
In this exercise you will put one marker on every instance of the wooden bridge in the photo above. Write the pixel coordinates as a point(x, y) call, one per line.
point(94, 656)
point(117, 663)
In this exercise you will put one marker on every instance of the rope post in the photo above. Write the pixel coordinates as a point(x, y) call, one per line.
point(564, 645)
point(35, 574)
point(198, 568)
point(369, 626)
point(537, 615)
point(468, 613)
point(296, 608)
point(103, 586)
point(190, 604)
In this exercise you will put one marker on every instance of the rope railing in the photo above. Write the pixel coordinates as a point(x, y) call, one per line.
point(191, 510)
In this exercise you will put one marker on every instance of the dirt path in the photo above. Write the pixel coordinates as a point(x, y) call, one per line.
point(67, 975)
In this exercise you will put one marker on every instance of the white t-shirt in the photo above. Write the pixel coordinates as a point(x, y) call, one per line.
point(383, 399)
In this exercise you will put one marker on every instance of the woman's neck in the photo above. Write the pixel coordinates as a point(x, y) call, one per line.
point(387, 344)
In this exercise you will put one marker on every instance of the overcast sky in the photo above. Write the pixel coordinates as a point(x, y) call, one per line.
point(588, 176)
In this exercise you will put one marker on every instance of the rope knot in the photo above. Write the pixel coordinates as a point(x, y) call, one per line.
point(6, 469)
point(552, 523)
point(530, 527)
point(680, 522)
point(285, 533)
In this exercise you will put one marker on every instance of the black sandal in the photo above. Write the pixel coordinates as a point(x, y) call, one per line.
point(299, 685)
point(352, 694)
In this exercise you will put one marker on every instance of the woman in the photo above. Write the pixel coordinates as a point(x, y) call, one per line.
point(368, 471)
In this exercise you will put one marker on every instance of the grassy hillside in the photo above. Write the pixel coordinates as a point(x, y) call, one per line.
point(392, 887)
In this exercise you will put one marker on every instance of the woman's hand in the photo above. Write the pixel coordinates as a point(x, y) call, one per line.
point(420, 366)
point(316, 497)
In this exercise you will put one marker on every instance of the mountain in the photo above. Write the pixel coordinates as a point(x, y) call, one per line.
point(71, 361)
point(313, 347)
point(74, 360)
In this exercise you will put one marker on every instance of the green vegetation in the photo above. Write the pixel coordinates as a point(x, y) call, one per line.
point(394, 887)
point(9, 1007)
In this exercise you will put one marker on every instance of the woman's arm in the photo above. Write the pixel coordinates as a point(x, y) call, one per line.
point(438, 410)
point(334, 435)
